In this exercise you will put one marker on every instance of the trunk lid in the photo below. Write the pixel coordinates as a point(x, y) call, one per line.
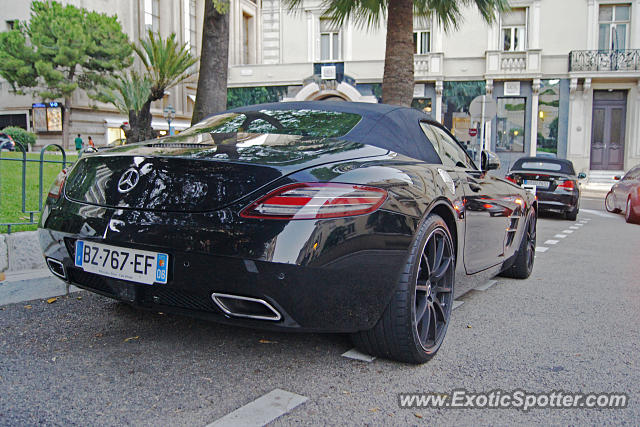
point(543, 181)
point(200, 172)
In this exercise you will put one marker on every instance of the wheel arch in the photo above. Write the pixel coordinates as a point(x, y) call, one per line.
point(444, 209)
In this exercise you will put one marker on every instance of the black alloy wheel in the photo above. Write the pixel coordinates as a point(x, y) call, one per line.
point(434, 290)
point(414, 324)
point(522, 265)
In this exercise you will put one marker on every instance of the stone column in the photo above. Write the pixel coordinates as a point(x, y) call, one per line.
point(535, 93)
point(438, 110)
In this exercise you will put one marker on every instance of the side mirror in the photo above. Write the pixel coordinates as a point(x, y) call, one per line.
point(582, 175)
point(616, 178)
point(489, 161)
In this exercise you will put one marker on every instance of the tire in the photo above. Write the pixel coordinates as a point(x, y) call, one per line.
point(414, 324)
point(523, 264)
point(571, 215)
point(610, 203)
point(629, 216)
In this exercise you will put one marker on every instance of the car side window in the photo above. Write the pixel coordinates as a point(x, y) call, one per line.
point(450, 152)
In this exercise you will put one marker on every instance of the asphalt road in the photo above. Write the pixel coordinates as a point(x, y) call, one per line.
point(572, 326)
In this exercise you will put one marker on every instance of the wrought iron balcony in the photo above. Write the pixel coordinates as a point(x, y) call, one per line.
point(604, 60)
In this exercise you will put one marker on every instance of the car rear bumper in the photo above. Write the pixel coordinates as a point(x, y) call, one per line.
point(333, 276)
point(557, 202)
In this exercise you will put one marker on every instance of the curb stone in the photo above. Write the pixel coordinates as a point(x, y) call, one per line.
point(21, 251)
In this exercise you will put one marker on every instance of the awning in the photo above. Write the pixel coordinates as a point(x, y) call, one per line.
point(156, 123)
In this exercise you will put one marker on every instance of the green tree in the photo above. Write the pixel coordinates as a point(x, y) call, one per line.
point(166, 63)
point(211, 95)
point(62, 49)
point(398, 79)
point(128, 92)
point(20, 135)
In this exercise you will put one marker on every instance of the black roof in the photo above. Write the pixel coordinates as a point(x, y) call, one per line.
point(566, 166)
point(390, 127)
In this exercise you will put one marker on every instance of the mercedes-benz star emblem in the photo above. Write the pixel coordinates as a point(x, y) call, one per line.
point(128, 180)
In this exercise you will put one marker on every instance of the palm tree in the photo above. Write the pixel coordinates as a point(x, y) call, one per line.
point(398, 79)
point(211, 96)
point(166, 63)
point(128, 92)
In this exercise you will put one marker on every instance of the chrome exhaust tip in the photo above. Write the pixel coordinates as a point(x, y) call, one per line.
point(246, 307)
point(57, 268)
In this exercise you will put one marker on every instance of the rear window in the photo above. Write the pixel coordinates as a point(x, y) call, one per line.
point(315, 123)
point(545, 165)
point(541, 166)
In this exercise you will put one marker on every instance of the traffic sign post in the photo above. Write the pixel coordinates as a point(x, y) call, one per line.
point(483, 108)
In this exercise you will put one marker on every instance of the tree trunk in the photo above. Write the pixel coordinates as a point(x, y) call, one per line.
point(66, 122)
point(140, 124)
point(66, 116)
point(398, 80)
point(211, 96)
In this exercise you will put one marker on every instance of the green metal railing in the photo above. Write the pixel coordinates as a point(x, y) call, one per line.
point(32, 219)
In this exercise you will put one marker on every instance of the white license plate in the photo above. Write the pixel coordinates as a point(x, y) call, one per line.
point(538, 184)
point(122, 263)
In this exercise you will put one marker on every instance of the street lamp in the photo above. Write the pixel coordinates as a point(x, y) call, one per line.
point(169, 114)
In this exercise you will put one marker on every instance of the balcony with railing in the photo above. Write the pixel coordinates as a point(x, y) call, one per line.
point(428, 65)
point(604, 60)
point(505, 64)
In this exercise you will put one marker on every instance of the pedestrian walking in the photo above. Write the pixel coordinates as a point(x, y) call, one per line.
point(90, 143)
point(79, 143)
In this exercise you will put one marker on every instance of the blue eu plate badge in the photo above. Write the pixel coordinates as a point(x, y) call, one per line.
point(161, 268)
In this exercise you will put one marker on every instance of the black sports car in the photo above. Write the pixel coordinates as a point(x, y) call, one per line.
point(312, 216)
point(555, 182)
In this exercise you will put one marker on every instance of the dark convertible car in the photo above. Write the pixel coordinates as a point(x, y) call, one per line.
point(555, 183)
point(336, 217)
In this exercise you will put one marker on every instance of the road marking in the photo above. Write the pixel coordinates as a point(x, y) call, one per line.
point(560, 236)
point(356, 355)
point(486, 286)
point(602, 214)
point(541, 249)
point(573, 227)
point(457, 303)
point(551, 242)
point(567, 231)
point(262, 410)
point(579, 225)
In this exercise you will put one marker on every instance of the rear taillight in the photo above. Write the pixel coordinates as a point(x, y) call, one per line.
point(315, 201)
point(567, 185)
point(56, 188)
point(510, 178)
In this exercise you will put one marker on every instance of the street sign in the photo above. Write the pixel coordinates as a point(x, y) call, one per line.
point(482, 109)
point(473, 132)
point(478, 113)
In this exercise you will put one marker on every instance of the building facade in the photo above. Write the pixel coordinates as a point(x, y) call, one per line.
point(559, 76)
point(564, 76)
point(90, 118)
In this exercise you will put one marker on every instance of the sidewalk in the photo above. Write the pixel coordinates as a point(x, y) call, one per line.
point(31, 285)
